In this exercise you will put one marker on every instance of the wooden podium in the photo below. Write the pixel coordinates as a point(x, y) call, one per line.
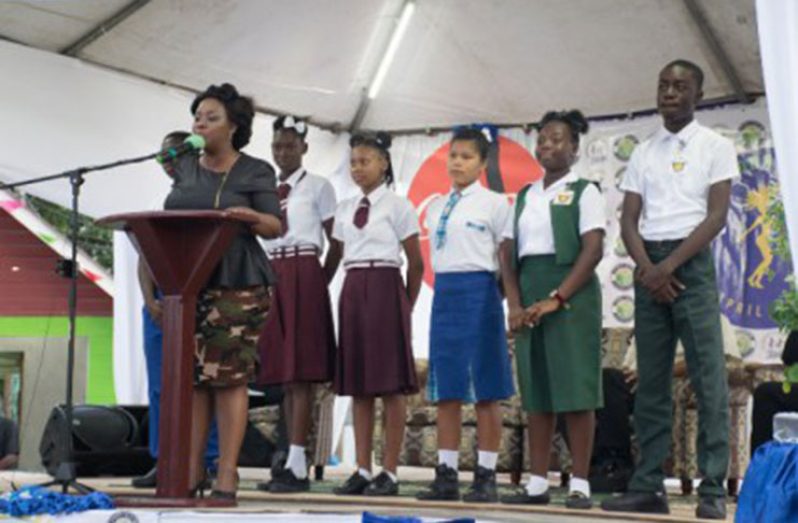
point(181, 250)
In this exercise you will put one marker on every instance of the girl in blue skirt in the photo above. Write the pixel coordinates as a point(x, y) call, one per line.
point(469, 360)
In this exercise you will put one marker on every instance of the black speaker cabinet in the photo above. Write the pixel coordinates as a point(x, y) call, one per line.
point(106, 441)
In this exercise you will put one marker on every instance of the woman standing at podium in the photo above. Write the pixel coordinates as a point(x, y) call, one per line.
point(232, 308)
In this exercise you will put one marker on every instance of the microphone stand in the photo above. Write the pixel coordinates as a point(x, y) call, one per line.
point(65, 475)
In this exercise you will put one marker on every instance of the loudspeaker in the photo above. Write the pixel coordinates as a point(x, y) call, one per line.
point(106, 441)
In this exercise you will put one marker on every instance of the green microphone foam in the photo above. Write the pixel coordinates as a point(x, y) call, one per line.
point(196, 141)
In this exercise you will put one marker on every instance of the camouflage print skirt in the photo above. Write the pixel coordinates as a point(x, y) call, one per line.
point(229, 322)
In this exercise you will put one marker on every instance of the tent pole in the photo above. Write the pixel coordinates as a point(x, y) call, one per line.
point(718, 52)
point(103, 28)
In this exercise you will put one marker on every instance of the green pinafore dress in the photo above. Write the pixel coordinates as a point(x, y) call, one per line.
point(559, 360)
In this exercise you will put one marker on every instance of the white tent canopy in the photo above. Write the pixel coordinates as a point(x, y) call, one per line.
point(460, 61)
point(88, 81)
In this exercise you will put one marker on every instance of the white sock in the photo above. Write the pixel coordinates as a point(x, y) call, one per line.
point(365, 473)
point(579, 485)
point(537, 485)
point(297, 462)
point(487, 459)
point(391, 475)
point(450, 458)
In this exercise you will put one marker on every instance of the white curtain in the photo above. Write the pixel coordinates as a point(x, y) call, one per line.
point(778, 43)
point(130, 371)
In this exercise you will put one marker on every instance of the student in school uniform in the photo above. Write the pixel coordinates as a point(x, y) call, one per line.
point(469, 360)
point(297, 346)
point(677, 189)
point(554, 303)
point(375, 357)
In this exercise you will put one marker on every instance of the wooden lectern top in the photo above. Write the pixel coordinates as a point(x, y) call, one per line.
point(180, 248)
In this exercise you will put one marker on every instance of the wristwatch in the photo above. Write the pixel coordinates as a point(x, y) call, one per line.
point(557, 296)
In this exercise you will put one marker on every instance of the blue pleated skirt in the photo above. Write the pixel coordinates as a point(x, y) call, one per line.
point(468, 358)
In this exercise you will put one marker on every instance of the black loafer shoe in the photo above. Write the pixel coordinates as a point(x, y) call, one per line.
point(645, 502)
point(711, 507)
point(148, 480)
point(483, 489)
point(521, 497)
point(444, 488)
point(382, 485)
point(286, 482)
point(354, 486)
point(578, 500)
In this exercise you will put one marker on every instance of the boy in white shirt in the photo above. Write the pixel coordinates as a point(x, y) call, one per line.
point(677, 191)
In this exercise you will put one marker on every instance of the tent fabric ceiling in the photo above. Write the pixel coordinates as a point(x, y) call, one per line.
point(53, 26)
point(500, 61)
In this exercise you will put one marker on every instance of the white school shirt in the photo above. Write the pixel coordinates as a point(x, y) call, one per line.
point(535, 233)
point(673, 173)
point(392, 219)
point(310, 202)
point(473, 231)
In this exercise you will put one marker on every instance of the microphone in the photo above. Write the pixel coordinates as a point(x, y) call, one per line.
point(193, 143)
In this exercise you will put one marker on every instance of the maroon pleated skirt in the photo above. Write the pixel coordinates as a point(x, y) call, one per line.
point(375, 357)
point(298, 339)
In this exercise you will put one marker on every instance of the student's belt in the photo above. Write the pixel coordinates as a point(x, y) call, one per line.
point(293, 251)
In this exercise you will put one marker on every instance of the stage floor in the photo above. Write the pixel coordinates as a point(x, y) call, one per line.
point(320, 505)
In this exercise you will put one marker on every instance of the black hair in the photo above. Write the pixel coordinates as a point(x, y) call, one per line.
point(176, 136)
point(240, 110)
point(471, 134)
point(295, 125)
point(381, 142)
point(696, 71)
point(574, 119)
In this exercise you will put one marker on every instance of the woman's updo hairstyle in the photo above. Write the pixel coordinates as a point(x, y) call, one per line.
point(240, 110)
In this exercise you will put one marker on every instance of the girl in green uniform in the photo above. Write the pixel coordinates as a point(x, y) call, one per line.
point(551, 249)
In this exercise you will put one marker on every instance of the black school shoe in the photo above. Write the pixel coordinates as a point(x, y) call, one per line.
point(578, 500)
point(645, 502)
point(444, 488)
point(711, 507)
point(286, 482)
point(382, 485)
point(483, 489)
point(354, 486)
point(148, 480)
point(521, 497)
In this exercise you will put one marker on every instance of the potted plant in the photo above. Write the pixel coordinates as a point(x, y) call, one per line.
point(784, 310)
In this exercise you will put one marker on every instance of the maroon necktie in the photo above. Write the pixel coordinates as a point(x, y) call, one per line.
point(362, 213)
point(283, 190)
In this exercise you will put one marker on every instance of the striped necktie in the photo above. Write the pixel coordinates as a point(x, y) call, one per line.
point(440, 232)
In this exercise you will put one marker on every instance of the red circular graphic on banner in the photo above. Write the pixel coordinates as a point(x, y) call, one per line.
point(516, 165)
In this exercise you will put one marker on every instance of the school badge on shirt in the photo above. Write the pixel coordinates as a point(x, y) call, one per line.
point(564, 198)
point(679, 162)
